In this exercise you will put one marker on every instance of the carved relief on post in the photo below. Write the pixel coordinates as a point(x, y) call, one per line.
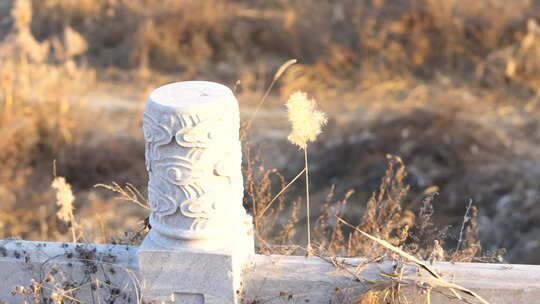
point(193, 158)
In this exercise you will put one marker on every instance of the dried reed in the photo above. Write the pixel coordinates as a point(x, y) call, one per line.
point(307, 122)
point(64, 200)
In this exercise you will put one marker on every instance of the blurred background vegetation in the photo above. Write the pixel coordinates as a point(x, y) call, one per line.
point(452, 87)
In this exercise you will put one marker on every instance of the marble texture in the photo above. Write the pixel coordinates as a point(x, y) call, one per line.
point(201, 236)
point(193, 157)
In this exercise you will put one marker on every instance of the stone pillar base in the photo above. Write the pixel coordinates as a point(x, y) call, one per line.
point(193, 275)
point(188, 277)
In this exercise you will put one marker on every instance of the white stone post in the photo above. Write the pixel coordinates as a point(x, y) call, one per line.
point(201, 236)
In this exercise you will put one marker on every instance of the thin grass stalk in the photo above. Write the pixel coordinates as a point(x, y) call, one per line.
point(307, 198)
point(436, 277)
point(73, 234)
point(466, 218)
point(281, 192)
point(278, 74)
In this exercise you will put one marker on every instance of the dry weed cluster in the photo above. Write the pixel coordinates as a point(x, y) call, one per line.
point(384, 217)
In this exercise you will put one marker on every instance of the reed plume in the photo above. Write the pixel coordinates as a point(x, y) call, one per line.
point(307, 122)
point(305, 118)
point(64, 200)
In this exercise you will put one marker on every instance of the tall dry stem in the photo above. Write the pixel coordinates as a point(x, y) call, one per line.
point(307, 198)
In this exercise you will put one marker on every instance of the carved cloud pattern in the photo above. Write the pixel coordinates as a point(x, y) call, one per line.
point(155, 135)
point(188, 173)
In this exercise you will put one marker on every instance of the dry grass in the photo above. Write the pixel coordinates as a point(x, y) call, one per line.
point(45, 117)
point(408, 236)
point(451, 88)
point(384, 217)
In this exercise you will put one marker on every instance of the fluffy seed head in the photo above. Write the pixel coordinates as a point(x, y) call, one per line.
point(305, 118)
point(64, 199)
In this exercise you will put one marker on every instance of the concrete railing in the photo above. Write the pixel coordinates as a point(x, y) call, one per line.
point(200, 248)
point(112, 274)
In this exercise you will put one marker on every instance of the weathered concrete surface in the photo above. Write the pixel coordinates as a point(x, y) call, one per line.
point(268, 279)
point(92, 273)
point(288, 279)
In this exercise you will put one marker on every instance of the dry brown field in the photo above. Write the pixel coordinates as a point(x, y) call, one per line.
point(433, 107)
